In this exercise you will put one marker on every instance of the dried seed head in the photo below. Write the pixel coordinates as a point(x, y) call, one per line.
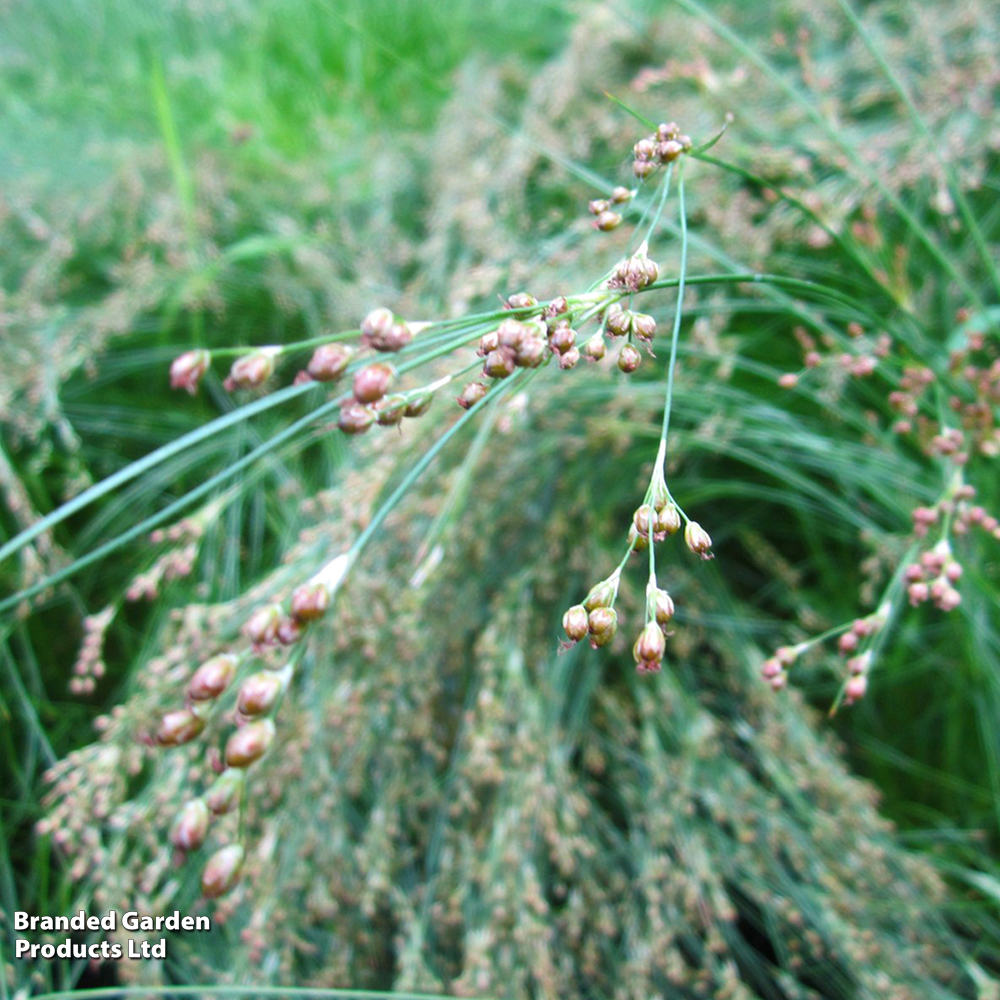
point(635, 272)
point(663, 607)
point(607, 221)
point(191, 826)
point(643, 326)
point(372, 382)
point(698, 539)
point(249, 743)
point(251, 370)
point(521, 300)
point(179, 727)
point(221, 871)
point(620, 195)
point(562, 339)
point(667, 520)
point(329, 362)
point(602, 624)
point(261, 627)
point(390, 410)
point(595, 348)
point(259, 693)
point(472, 394)
point(570, 358)
point(224, 795)
point(355, 418)
point(212, 678)
point(419, 404)
point(310, 601)
point(187, 370)
point(499, 363)
point(629, 358)
point(576, 622)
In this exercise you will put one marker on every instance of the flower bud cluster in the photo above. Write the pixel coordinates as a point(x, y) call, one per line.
point(603, 209)
point(933, 578)
point(635, 272)
point(656, 150)
point(619, 322)
point(595, 618)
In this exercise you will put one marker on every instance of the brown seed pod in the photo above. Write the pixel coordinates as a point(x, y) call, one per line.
point(179, 727)
point(355, 419)
point(373, 381)
point(329, 362)
point(472, 394)
point(191, 826)
point(224, 795)
point(576, 622)
point(212, 678)
point(221, 871)
point(629, 358)
point(310, 601)
point(249, 743)
point(259, 693)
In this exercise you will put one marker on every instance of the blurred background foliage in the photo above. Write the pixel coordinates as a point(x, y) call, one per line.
point(454, 807)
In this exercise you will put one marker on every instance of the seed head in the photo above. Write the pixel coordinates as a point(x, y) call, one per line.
point(855, 688)
point(510, 333)
point(635, 272)
point(224, 795)
point(601, 595)
point(531, 353)
point(668, 151)
point(499, 363)
point(472, 394)
point(617, 321)
point(329, 362)
point(576, 622)
point(562, 339)
point(521, 300)
point(602, 624)
point(643, 326)
point(251, 370)
point(643, 168)
point(629, 358)
point(569, 359)
point(666, 131)
point(640, 518)
point(191, 826)
point(221, 871)
point(556, 308)
point(310, 601)
point(355, 418)
point(663, 608)
point(261, 627)
point(179, 727)
point(620, 195)
point(418, 404)
point(595, 348)
point(249, 743)
point(598, 205)
point(259, 693)
point(376, 322)
point(488, 342)
point(698, 539)
point(637, 542)
point(390, 410)
point(650, 645)
point(372, 382)
point(607, 221)
point(187, 370)
point(212, 678)
point(667, 520)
